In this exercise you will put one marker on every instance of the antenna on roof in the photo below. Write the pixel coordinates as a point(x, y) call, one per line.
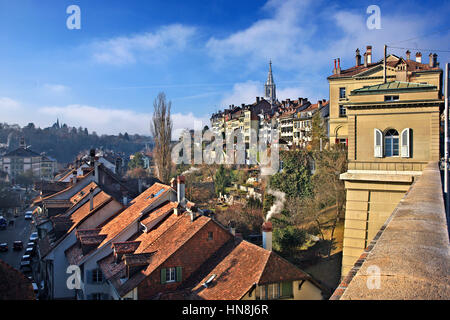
point(384, 64)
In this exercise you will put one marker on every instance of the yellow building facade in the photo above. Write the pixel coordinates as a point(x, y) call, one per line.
point(392, 131)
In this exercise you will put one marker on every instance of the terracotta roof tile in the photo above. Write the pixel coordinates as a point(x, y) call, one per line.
point(238, 268)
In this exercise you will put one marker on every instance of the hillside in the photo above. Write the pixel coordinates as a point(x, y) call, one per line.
point(64, 143)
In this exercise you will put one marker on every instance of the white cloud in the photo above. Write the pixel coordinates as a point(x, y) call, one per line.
point(275, 38)
point(113, 121)
point(146, 46)
point(244, 92)
point(55, 88)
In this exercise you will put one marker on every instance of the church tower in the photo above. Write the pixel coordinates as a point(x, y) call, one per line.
point(269, 87)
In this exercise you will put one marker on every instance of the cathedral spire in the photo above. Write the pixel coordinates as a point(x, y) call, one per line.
point(269, 87)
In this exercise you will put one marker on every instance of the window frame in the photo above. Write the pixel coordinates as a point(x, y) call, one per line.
point(344, 109)
point(392, 139)
point(97, 276)
point(169, 274)
point(342, 90)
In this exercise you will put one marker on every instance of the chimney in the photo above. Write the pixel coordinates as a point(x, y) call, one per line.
point(74, 177)
point(365, 59)
point(232, 228)
point(267, 235)
point(124, 198)
point(334, 69)
point(338, 70)
point(139, 185)
point(91, 199)
point(257, 99)
point(173, 184)
point(408, 55)
point(181, 189)
point(319, 103)
point(92, 157)
point(358, 58)
point(418, 57)
point(433, 60)
point(369, 54)
point(96, 170)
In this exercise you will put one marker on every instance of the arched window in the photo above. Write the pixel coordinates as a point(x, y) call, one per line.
point(391, 143)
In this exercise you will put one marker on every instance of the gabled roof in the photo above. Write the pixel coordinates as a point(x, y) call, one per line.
point(112, 227)
point(78, 216)
point(238, 267)
point(394, 86)
point(164, 246)
point(22, 152)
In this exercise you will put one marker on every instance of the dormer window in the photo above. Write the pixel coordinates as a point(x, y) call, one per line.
point(391, 98)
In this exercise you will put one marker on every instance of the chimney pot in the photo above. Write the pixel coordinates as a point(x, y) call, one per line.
point(181, 196)
point(358, 58)
point(369, 54)
point(91, 199)
point(408, 55)
point(418, 57)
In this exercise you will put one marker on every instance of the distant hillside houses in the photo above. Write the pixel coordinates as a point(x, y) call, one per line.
point(291, 118)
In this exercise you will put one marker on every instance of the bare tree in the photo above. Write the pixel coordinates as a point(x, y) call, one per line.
point(161, 129)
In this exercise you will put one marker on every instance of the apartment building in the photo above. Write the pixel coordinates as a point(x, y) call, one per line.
point(392, 128)
point(368, 73)
point(23, 159)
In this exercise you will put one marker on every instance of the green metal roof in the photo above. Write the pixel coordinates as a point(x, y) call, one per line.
point(394, 86)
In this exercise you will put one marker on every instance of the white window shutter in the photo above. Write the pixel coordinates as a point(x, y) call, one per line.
point(378, 143)
point(406, 143)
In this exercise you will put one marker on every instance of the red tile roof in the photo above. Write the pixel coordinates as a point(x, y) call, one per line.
point(165, 246)
point(112, 227)
point(411, 66)
point(239, 267)
point(132, 213)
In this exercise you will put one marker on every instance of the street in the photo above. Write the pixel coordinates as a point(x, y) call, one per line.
point(20, 231)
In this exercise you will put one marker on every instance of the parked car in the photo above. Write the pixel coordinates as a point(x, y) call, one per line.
point(3, 247)
point(34, 236)
point(26, 257)
point(3, 222)
point(17, 245)
point(28, 216)
point(25, 267)
point(35, 287)
point(29, 251)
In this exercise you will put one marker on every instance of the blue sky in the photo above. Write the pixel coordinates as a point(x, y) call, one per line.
point(204, 55)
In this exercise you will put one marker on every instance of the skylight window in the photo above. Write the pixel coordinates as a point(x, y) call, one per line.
point(156, 194)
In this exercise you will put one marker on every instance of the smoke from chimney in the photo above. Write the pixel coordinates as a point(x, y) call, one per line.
point(277, 206)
